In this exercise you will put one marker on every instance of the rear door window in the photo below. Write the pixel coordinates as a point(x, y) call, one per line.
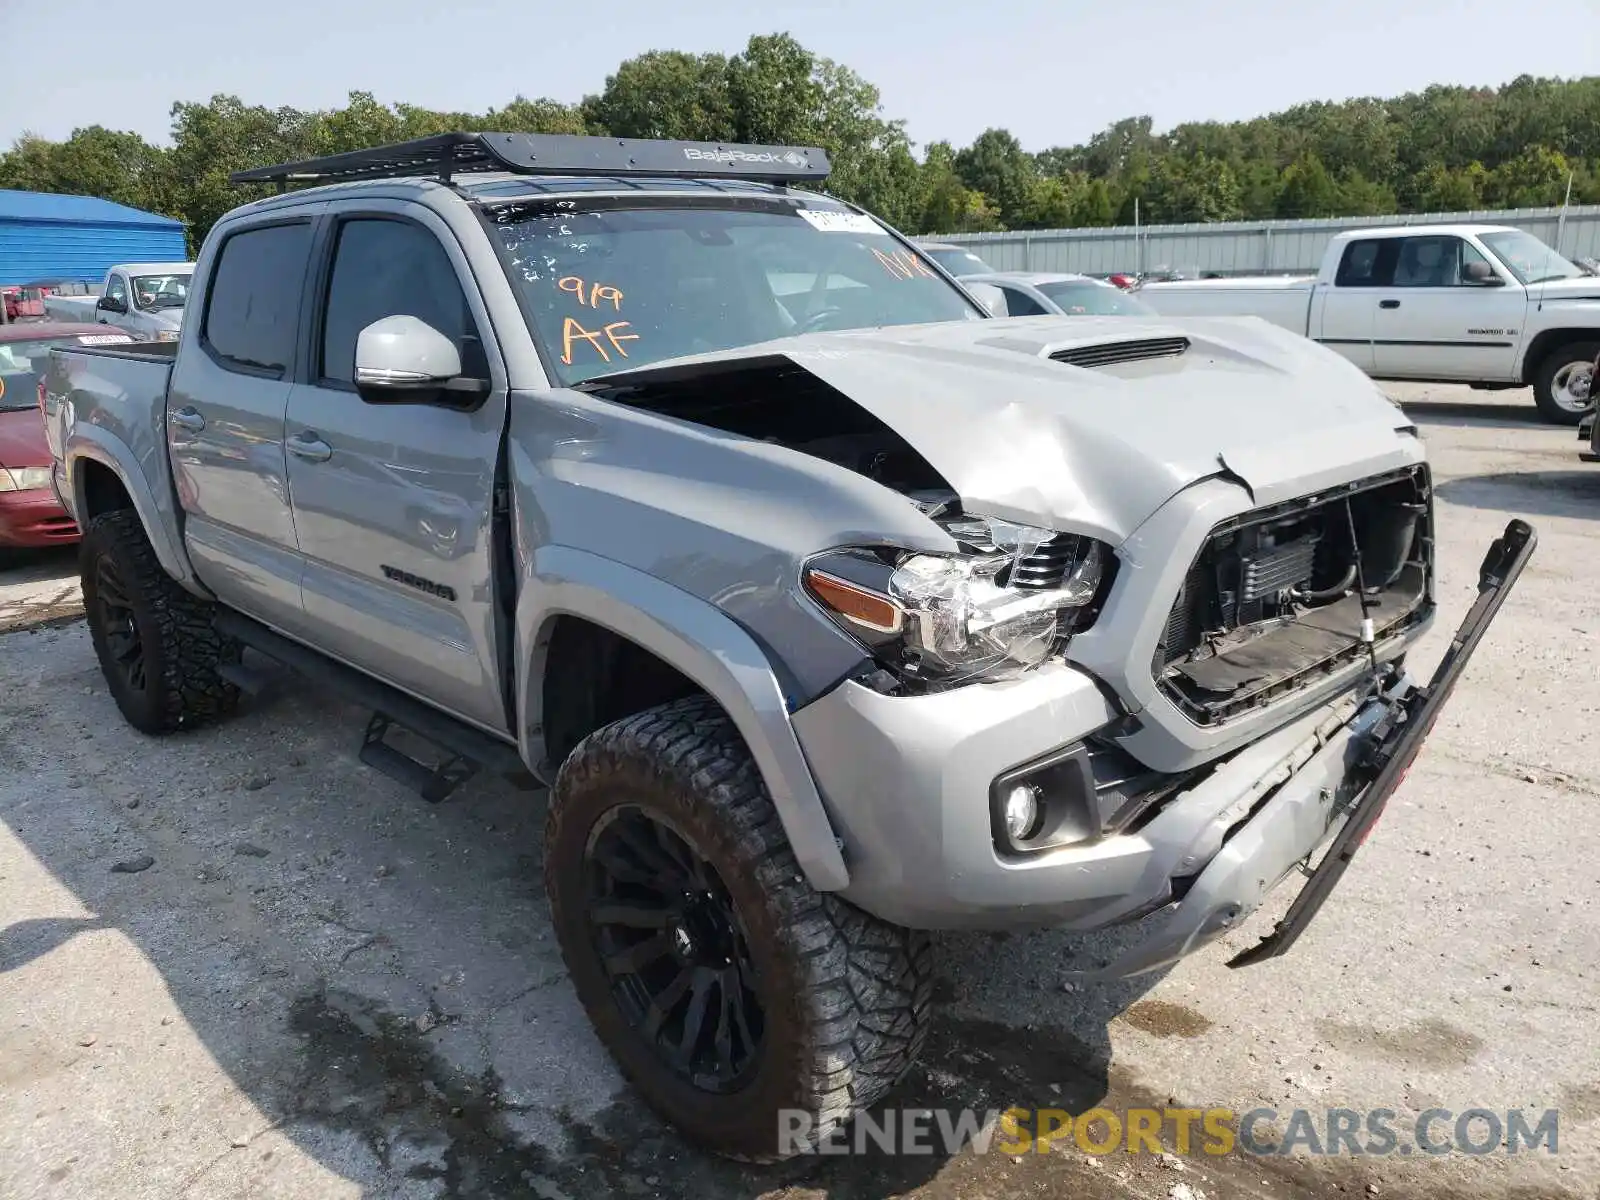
point(253, 306)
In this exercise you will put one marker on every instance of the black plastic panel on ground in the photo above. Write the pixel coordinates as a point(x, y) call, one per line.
point(446, 154)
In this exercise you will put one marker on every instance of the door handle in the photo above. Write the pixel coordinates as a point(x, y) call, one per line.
point(188, 418)
point(310, 447)
point(1388, 304)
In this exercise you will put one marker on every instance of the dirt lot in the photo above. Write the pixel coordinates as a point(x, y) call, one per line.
point(323, 987)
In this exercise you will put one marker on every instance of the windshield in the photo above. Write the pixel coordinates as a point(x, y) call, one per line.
point(1529, 259)
point(957, 261)
point(161, 291)
point(622, 288)
point(1094, 299)
point(21, 364)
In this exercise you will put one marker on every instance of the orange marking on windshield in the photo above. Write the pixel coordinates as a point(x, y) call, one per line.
point(590, 296)
point(572, 331)
point(903, 264)
point(618, 338)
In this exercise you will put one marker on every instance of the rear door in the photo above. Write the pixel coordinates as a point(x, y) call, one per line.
point(392, 502)
point(1347, 309)
point(225, 409)
point(1433, 322)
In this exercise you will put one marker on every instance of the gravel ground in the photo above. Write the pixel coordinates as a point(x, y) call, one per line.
point(240, 964)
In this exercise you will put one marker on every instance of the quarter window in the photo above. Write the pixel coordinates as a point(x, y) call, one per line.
point(253, 309)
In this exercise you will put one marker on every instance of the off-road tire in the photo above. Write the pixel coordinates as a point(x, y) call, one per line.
point(1544, 381)
point(845, 997)
point(180, 646)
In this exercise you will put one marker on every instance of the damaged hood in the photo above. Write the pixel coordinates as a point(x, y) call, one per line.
point(1001, 411)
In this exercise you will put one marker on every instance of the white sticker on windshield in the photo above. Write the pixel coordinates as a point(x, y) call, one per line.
point(840, 222)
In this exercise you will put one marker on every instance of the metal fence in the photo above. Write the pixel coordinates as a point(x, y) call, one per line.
point(1245, 247)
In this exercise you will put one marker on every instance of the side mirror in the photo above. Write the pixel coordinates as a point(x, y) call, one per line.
point(992, 298)
point(404, 360)
point(111, 304)
point(1481, 274)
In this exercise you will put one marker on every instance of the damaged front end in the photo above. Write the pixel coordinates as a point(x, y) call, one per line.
point(1281, 597)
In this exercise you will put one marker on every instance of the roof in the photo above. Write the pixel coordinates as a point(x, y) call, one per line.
point(28, 331)
point(81, 210)
point(506, 188)
point(156, 268)
point(1393, 231)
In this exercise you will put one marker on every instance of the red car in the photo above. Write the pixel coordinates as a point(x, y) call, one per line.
point(30, 515)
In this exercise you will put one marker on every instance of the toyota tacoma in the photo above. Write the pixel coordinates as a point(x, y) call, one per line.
point(833, 610)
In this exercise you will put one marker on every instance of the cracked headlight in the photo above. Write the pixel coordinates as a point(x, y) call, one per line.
point(1004, 606)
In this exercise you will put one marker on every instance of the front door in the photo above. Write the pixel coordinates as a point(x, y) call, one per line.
point(392, 502)
point(1436, 322)
point(224, 416)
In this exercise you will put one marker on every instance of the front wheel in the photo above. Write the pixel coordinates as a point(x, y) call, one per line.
point(1563, 387)
point(750, 1010)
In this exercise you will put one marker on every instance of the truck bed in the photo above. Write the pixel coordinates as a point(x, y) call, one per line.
point(1284, 300)
point(71, 308)
point(111, 395)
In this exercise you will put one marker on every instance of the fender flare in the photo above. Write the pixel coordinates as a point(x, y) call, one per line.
point(160, 521)
point(704, 644)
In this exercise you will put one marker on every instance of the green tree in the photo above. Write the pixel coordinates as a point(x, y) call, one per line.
point(1307, 190)
point(666, 94)
point(996, 165)
point(1093, 207)
point(1361, 197)
point(1534, 178)
point(1443, 189)
point(1198, 188)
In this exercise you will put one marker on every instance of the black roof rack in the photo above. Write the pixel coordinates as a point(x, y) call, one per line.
point(446, 154)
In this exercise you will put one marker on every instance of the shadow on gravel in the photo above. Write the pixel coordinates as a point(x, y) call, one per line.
point(1468, 414)
point(378, 976)
point(1529, 493)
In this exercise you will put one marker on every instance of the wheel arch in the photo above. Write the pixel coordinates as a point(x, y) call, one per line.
point(103, 476)
point(1546, 341)
point(568, 589)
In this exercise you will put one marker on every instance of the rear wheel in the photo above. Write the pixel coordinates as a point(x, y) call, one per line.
point(158, 645)
point(750, 1010)
point(1563, 385)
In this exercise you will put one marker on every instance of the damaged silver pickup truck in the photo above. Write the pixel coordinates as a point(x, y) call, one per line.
point(833, 609)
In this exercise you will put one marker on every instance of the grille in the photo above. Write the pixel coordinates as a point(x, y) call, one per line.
point(1108, 354)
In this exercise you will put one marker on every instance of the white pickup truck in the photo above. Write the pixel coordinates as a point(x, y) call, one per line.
point(146, 299)
point(1486, 305)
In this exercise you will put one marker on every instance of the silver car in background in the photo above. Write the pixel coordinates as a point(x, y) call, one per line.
point(1039, 293)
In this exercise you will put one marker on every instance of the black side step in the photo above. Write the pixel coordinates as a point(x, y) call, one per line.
point(466, 749)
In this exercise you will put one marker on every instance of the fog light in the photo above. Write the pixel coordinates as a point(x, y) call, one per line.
point(1022, 812)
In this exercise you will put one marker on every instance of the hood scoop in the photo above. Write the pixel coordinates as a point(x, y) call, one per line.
point(1109, 354)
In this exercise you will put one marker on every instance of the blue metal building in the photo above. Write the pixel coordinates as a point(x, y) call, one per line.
point(44, 236)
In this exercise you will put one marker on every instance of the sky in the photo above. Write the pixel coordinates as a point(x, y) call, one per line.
point(1054, 72)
